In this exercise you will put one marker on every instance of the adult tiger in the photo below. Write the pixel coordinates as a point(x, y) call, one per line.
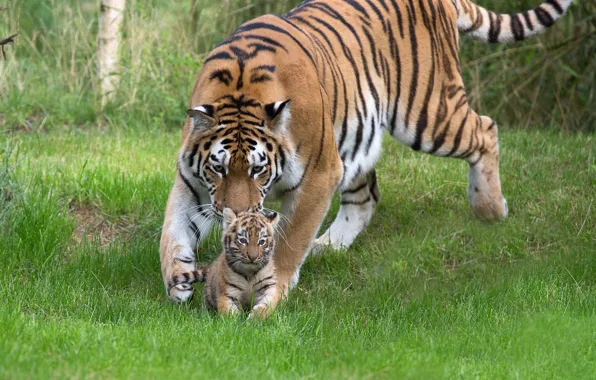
point(294, 107)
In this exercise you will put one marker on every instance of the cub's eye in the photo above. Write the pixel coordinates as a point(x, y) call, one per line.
point(219, 169)
point(256, 170)
point(262, 242)
point(242, 241)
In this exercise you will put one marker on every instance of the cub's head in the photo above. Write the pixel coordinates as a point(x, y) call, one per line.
point(236, 148)
point(248, 239)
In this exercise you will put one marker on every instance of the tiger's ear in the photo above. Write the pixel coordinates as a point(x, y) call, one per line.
point(229, 216)
point(272, 217)
point(201, 117)
point(278, 114)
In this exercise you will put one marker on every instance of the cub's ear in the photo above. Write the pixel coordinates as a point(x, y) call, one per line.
point(278, 114)
point(272, 217)
point(201, 117)
point(229, 216)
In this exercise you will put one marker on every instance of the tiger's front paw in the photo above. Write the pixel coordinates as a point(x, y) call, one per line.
point(181, 293)
point(324, 243)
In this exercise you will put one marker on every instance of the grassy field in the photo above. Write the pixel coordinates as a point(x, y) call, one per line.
point(427, 291)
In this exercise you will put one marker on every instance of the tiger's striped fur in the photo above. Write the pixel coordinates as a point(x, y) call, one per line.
point(294, 107)
point(243, 276)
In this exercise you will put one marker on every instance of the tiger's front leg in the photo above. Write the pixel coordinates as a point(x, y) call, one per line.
point(186, 223)
point(309, 203)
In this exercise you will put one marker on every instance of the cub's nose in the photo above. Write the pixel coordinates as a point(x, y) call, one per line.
point(252, 256)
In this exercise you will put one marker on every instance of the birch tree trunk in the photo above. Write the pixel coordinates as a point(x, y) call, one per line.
point(110, 20)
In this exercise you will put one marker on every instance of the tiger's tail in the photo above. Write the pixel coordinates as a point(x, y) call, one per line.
point(488, 26)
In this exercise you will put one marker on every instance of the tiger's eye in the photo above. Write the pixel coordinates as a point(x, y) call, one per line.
point(257, 170)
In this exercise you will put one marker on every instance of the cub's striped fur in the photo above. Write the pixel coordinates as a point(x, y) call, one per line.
point(294, 107)
point(243, 276)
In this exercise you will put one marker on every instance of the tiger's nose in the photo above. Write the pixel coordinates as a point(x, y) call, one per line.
point(252, 256)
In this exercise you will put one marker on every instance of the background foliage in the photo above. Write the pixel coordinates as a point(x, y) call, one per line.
point(548, 82)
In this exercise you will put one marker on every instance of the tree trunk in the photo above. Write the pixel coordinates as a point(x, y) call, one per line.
point(110, 20)
point(195, 14)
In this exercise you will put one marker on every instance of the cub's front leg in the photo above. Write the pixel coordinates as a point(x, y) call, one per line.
point(267, 296)
point(186, 223)
point(227, 305)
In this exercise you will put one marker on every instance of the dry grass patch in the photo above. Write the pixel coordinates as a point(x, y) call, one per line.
point(91, 224)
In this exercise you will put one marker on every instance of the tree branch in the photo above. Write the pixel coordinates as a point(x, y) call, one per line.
point(7, 41)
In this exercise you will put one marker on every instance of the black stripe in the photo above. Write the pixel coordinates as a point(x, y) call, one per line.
point(265, 287)
point(495, 27)
point(221, 55)
point(555, 5)
point(414, 82)
point(195, 230)
point(356, 202)
point(295, 187)
point(348, 54)
point(399, 17)
point(263, 279)
point(358, 7)
point(234, 286)
point(192, 190)
point(353, 191)
point(458, 136)
point(191, 159)
point(377, 11)
point(373, 185)
point(269, 68)
point(359, 134)
point(262, 25)
point(544, 17)
point(266, 40)
point(224, 76)
point(517, 27)
point(334, 14)
point(373, 132)
point(528, 20)
point(422, 123)
point(184, 260)
point(322, 129)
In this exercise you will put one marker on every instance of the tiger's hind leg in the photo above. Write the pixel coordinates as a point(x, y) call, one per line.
point(358, 203)
point(484, 185)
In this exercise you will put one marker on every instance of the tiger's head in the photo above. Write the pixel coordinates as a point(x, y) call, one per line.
point(236, 149)
point(248, 239)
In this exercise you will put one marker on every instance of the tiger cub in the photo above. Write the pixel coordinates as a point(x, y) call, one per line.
point(243, 278)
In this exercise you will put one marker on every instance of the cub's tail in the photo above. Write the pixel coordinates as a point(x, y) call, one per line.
point(491, 27)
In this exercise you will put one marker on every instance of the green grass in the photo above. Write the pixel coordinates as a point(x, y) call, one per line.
point(426, 291)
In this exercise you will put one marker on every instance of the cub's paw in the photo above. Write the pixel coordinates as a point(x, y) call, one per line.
point(260, 311)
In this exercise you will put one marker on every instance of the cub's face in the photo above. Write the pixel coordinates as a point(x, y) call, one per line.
point(235, 148)
point(248, 239)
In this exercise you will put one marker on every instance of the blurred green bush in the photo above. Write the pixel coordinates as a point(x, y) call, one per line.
point(49, 79)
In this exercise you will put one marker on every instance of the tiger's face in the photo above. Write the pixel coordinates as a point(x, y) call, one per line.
point(248, 239)
point(235, 149)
